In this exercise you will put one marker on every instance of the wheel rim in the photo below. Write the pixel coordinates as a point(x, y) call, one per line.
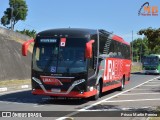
point(98, 90)
point(122, 83)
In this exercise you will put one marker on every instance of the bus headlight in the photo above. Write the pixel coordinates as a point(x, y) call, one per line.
point(37, 80)
point(78, 82)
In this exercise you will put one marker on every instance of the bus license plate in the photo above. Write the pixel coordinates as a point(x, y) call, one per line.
point(55, 90)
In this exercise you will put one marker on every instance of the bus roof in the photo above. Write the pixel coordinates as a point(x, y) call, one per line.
point(119, 39)
point(78, 32)
point(70, 32)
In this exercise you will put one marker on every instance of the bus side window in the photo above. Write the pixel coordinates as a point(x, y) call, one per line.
point(37, 54)
point(119, 54)
point(115, 54)
point(110, 54)
point(111, 49)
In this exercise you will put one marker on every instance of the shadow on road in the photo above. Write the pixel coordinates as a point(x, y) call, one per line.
point(27, 97)
point(138, 73)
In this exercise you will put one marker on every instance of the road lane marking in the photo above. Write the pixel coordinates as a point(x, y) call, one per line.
point(83, 109)
point(136, 100)
point(16, 102)
point(3, 89)
point(36, 105)
point(141, 89)
point(143, 94)
point(10, 92)
point(153, 82)
point(151, 85)
point(127, 108)
point(24, 86)
point(157, 79)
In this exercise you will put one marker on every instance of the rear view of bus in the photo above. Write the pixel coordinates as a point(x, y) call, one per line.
point(151, 64)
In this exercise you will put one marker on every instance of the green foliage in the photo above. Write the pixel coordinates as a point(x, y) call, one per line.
point(28, 32)
point(17, 11)
point(153, 36)
point(140, 48)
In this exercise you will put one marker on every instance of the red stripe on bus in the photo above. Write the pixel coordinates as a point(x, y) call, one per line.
point(119, 39)
point(107, 88)
point(71, 94)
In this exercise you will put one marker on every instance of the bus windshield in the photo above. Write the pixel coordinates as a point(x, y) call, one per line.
point(152, 60)
point(50, 55)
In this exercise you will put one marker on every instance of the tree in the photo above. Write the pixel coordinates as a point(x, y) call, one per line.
point(140, 48)
point(31, 33)
point(153, 36)
point(17, 11)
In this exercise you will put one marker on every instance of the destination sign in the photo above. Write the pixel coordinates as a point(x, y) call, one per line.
point(48, 40)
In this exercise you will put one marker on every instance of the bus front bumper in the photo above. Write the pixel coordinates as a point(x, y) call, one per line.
point(74, 94)
point(58, 92)
point(150, 71)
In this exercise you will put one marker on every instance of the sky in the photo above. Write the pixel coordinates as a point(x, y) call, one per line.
point(117, 16)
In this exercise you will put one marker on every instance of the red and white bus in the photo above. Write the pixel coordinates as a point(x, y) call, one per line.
point(72, 62)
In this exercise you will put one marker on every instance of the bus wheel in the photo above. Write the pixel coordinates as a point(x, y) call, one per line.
point(98, 88)
point(122, 84)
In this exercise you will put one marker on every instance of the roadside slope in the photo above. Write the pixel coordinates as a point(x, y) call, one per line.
point(12, 64)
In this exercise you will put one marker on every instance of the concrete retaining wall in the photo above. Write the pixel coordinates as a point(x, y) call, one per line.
point(13, 34)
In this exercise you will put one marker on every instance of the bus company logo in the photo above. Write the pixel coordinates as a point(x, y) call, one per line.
point(51, 81)
point(147, 10)
point(113, 69)
point(63, 42)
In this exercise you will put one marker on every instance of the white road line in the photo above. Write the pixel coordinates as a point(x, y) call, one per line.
point(24, 86)
point(83, 109)
point(3, 89)
point(38, 105)
point(157, 80)
point(9, 92)
point(138, 100)
point(129, 108)
point(142, 94)
point(141, 89)
point(16, 102)
point(151, 85)
point(153, 82)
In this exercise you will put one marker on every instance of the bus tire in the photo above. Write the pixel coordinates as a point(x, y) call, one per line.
point(122, 84)
point(98, 88)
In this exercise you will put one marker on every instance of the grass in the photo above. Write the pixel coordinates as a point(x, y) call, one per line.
point(136, 68)
point(156, 118)
point(6, 83)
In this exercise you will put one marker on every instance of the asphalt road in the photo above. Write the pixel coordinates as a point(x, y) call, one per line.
point(142, 93)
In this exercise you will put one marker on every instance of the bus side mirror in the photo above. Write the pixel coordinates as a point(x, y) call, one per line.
point(88, 51)
point(25, 47)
